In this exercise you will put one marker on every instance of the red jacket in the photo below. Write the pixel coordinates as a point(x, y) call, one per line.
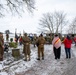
point(20, 39)
point(67, 43)
point(75, 39)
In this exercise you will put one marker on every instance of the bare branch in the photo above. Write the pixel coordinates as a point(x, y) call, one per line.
point(17, 6)
point(53, 22)
point(72, 27)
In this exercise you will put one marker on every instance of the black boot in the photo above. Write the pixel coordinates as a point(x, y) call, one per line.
point(38, 58)
point(42, 58)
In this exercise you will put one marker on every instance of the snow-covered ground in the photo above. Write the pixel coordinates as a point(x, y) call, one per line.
point(12, 66)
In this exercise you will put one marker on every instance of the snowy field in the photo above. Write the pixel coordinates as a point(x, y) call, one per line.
point(10, 65)
point(13, 66)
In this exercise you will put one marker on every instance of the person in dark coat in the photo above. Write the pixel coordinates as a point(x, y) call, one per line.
point(20, 40)
point(40, 44)
point(26, 48)
point(1, 46)
point(16, 38)
point(7, 37)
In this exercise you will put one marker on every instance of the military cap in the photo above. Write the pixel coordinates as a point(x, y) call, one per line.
point(25, 34)
point(41, 34)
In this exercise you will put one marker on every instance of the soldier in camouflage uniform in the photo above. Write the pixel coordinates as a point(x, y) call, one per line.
point(1, 46)
point(26, 47)
point(41, 42)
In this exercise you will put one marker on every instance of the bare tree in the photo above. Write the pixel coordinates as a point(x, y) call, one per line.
point(53, 22)
point(60, 21)
point(46, 23)
point(16, 6)
point(72, 27)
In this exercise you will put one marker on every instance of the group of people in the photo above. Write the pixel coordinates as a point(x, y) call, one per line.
point(18, 38)
point(26, 49)
point(40, 41)
point(57, 46)
point(56, 42)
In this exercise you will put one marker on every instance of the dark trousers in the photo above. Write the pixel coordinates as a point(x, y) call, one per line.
point(68, 52)
point(57, 52)
point(75, 43)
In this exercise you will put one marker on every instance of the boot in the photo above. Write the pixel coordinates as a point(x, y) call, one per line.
point(1, 59)
point(38, 58)
point(42, 58)
point(29, 57)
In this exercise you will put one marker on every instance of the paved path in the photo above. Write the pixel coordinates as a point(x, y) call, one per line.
point(50, 66)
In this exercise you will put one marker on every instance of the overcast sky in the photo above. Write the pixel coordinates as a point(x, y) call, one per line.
point(29, 22)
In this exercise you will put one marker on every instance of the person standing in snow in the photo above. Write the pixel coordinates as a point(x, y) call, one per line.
point(40, 44)
point(26, 47)
point(56, 46)
point(75, 40)
point(67, 43)
point(1, 46)
point(34, 40)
